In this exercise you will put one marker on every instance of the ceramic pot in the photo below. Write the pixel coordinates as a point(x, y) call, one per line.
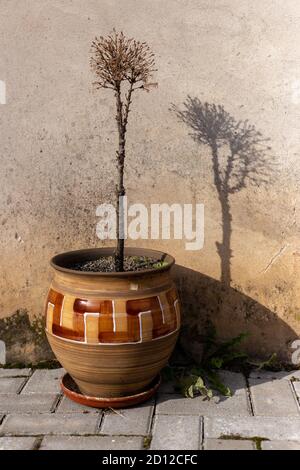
point(113, 332)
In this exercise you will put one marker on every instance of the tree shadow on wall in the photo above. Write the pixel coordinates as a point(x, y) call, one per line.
point(240, 156)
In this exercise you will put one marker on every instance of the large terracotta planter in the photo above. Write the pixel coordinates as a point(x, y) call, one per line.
point(113, 332)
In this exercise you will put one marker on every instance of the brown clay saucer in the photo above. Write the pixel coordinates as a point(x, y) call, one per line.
point(71, 390)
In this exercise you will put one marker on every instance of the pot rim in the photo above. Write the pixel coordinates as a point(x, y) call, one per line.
point(61, 261)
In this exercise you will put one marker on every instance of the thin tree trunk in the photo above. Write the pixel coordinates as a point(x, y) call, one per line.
point(120, 189)
point(119, 254)
point(122, 119)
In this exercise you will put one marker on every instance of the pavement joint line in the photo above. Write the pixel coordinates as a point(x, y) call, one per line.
point(56, 402)
point(250, 404)
point(201, 433)
point(100, 421)
point(37, 443)
point(151, 421)
point(294, 394)
point(19, 391)
point(73, 435)
point(113, 435)
point(2, 419)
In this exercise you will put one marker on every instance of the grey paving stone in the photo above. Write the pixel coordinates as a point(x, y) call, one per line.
point(50, 424)
point(44, 381)
point(17, 443)
point(92, 443)
point(273, 398)
point(69, 406)
point(132, 421)
point(11, 384)
point(276, 428)
point(269, 375)
point(228, 444)
point(37, 403)
point(172, 404)
point(176, 432)
point(280, 445)
point(14, 372)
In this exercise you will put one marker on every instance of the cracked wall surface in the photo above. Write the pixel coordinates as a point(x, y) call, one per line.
point(58, 141)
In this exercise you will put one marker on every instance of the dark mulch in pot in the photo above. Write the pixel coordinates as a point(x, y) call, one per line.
point(105, 264)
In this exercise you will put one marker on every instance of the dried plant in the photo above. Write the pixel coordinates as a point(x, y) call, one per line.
point(123, 65)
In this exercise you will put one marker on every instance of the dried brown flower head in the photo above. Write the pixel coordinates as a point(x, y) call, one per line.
point(116, 58)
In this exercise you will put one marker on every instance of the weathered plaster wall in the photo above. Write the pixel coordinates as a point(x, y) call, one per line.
point(58, 141)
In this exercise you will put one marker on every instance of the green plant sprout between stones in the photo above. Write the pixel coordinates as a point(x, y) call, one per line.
point(194, 380)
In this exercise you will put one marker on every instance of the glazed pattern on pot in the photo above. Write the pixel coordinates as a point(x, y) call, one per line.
point(110, 321)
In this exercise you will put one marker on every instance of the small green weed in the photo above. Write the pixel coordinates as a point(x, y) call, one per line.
point(204, 379)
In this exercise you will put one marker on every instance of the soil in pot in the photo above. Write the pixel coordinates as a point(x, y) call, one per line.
point(106, 264)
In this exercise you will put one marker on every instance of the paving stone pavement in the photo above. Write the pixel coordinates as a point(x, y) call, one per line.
point(263, 413)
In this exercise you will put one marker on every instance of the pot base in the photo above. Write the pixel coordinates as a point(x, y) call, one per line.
point(71, 390)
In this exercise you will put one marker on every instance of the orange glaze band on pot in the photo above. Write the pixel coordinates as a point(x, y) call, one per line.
point(112, 321)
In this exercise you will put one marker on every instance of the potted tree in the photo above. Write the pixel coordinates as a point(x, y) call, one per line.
point(113, 314)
